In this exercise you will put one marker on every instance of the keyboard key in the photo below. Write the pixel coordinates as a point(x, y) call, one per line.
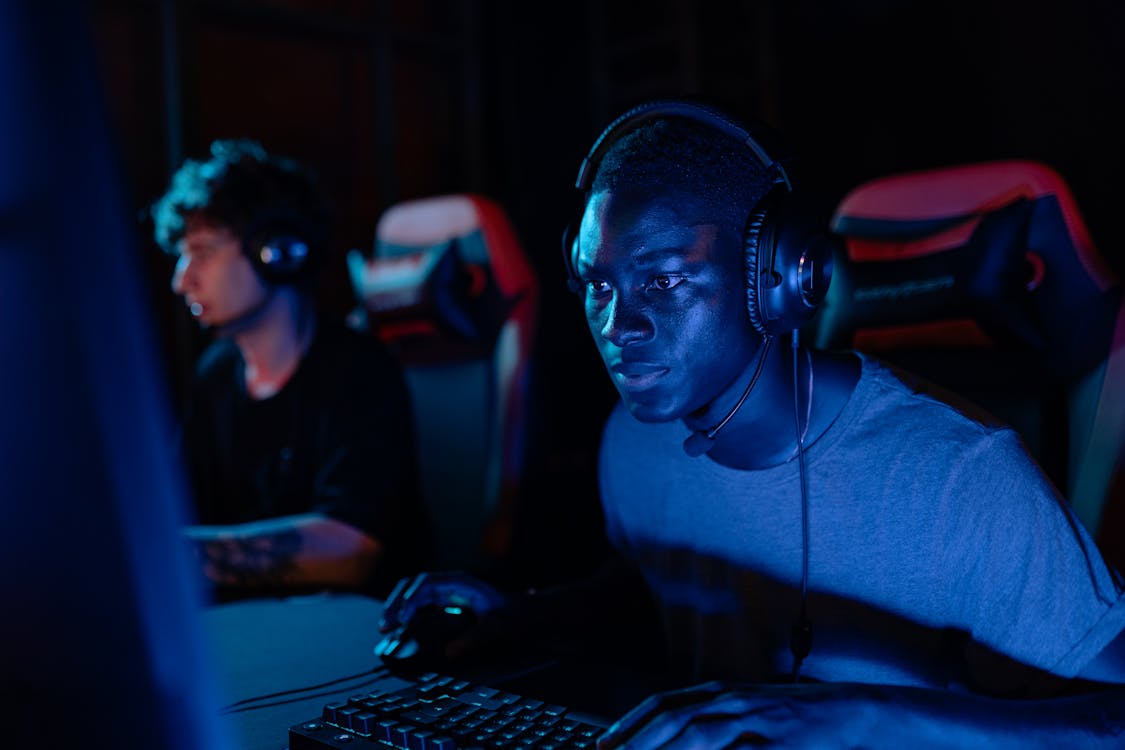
point(473, 699)
point(430, 691)
point(588, 730)
point(417, 738)
point(483, 691)
point(329, 712)
point(417, 717)
point(400, 736)
point(441, 742)
point(344, 716)
point(440, 707)
point(383, 729)
point(363, 722)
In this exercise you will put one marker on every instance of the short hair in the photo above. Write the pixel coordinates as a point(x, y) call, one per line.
point(237, 185)
point(685, 155)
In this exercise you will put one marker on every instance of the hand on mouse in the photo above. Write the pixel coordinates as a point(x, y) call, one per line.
point(449, 590)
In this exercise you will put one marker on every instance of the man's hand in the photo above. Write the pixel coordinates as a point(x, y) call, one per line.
point(833, 715)
point(447, 589)
point(714, 715)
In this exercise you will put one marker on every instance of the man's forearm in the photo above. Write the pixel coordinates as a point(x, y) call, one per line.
point(306, 550)
point(868, 715)
point(258, 561)
point(1091, 720)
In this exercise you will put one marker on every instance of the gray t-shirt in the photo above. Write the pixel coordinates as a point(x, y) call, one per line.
point(938, 549)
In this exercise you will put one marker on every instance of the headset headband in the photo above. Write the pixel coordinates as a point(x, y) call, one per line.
point(692, 111)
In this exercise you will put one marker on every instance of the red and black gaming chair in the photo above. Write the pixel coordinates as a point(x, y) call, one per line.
point(449, 289)
point(983, 278)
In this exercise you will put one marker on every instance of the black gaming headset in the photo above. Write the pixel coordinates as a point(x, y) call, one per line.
point(281, 247)
point(788, 260)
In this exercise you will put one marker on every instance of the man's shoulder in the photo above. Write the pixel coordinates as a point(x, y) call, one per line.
point(893, 387)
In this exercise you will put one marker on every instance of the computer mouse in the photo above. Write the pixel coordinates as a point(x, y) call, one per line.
point(421, 642)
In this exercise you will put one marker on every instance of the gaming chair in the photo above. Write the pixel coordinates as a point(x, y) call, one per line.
point(983, 278)
point(449, 289)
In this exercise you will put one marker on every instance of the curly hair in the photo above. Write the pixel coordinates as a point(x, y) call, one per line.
point(685, 155)
point(236, 187)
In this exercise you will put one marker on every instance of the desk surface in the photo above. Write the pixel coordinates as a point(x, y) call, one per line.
point(272, 654)
point(271, 646)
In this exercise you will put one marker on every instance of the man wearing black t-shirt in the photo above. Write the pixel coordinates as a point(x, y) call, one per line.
point(298, 436)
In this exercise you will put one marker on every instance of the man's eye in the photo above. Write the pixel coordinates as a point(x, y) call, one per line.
point(665, 281)
point(597, 287)
point(200, 252)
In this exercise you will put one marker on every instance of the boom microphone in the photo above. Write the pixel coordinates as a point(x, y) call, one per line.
point(701, 441)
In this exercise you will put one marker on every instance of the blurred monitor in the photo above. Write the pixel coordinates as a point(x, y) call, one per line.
point(102, 630)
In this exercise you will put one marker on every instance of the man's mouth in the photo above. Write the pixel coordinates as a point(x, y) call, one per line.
point(637, 376)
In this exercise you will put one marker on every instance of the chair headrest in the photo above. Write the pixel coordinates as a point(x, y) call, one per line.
point(444, 275)
point(991, 255)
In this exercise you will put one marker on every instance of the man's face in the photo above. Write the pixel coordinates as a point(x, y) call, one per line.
point(665, 300)
point(216, 280)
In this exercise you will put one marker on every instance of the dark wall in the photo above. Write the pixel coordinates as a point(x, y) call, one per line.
point(394, 100)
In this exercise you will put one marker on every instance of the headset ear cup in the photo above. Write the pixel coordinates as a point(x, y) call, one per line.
point(280, 247)
point(570, 257)
point(752, 253)
point(788, 267)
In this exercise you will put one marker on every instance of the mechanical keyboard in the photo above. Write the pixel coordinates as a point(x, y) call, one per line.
point(439, 712)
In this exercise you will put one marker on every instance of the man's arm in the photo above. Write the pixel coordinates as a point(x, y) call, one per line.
point(867, 715)
point(605, 615)
point(291, 552)
point(862, 715)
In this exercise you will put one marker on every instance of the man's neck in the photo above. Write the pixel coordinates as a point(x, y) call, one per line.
point(751, 437)
point(764, 431)
point(272, 349)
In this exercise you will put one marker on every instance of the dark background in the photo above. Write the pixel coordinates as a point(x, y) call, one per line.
point(390, 101)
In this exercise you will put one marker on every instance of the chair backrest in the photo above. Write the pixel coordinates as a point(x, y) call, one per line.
point(983, 278)
point(449, 289)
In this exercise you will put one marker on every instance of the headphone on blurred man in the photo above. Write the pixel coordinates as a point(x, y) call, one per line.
point(280, 246)
point(788, 261)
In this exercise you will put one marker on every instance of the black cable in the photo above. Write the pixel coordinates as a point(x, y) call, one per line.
point(378, 671)
point(305, 697)
point(800, 639)
point(746, 392)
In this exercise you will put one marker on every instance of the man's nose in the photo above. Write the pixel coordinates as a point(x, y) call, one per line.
point(626, 321)
point(179, 274)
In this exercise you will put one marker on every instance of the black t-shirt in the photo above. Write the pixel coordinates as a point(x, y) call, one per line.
point(338, 439)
